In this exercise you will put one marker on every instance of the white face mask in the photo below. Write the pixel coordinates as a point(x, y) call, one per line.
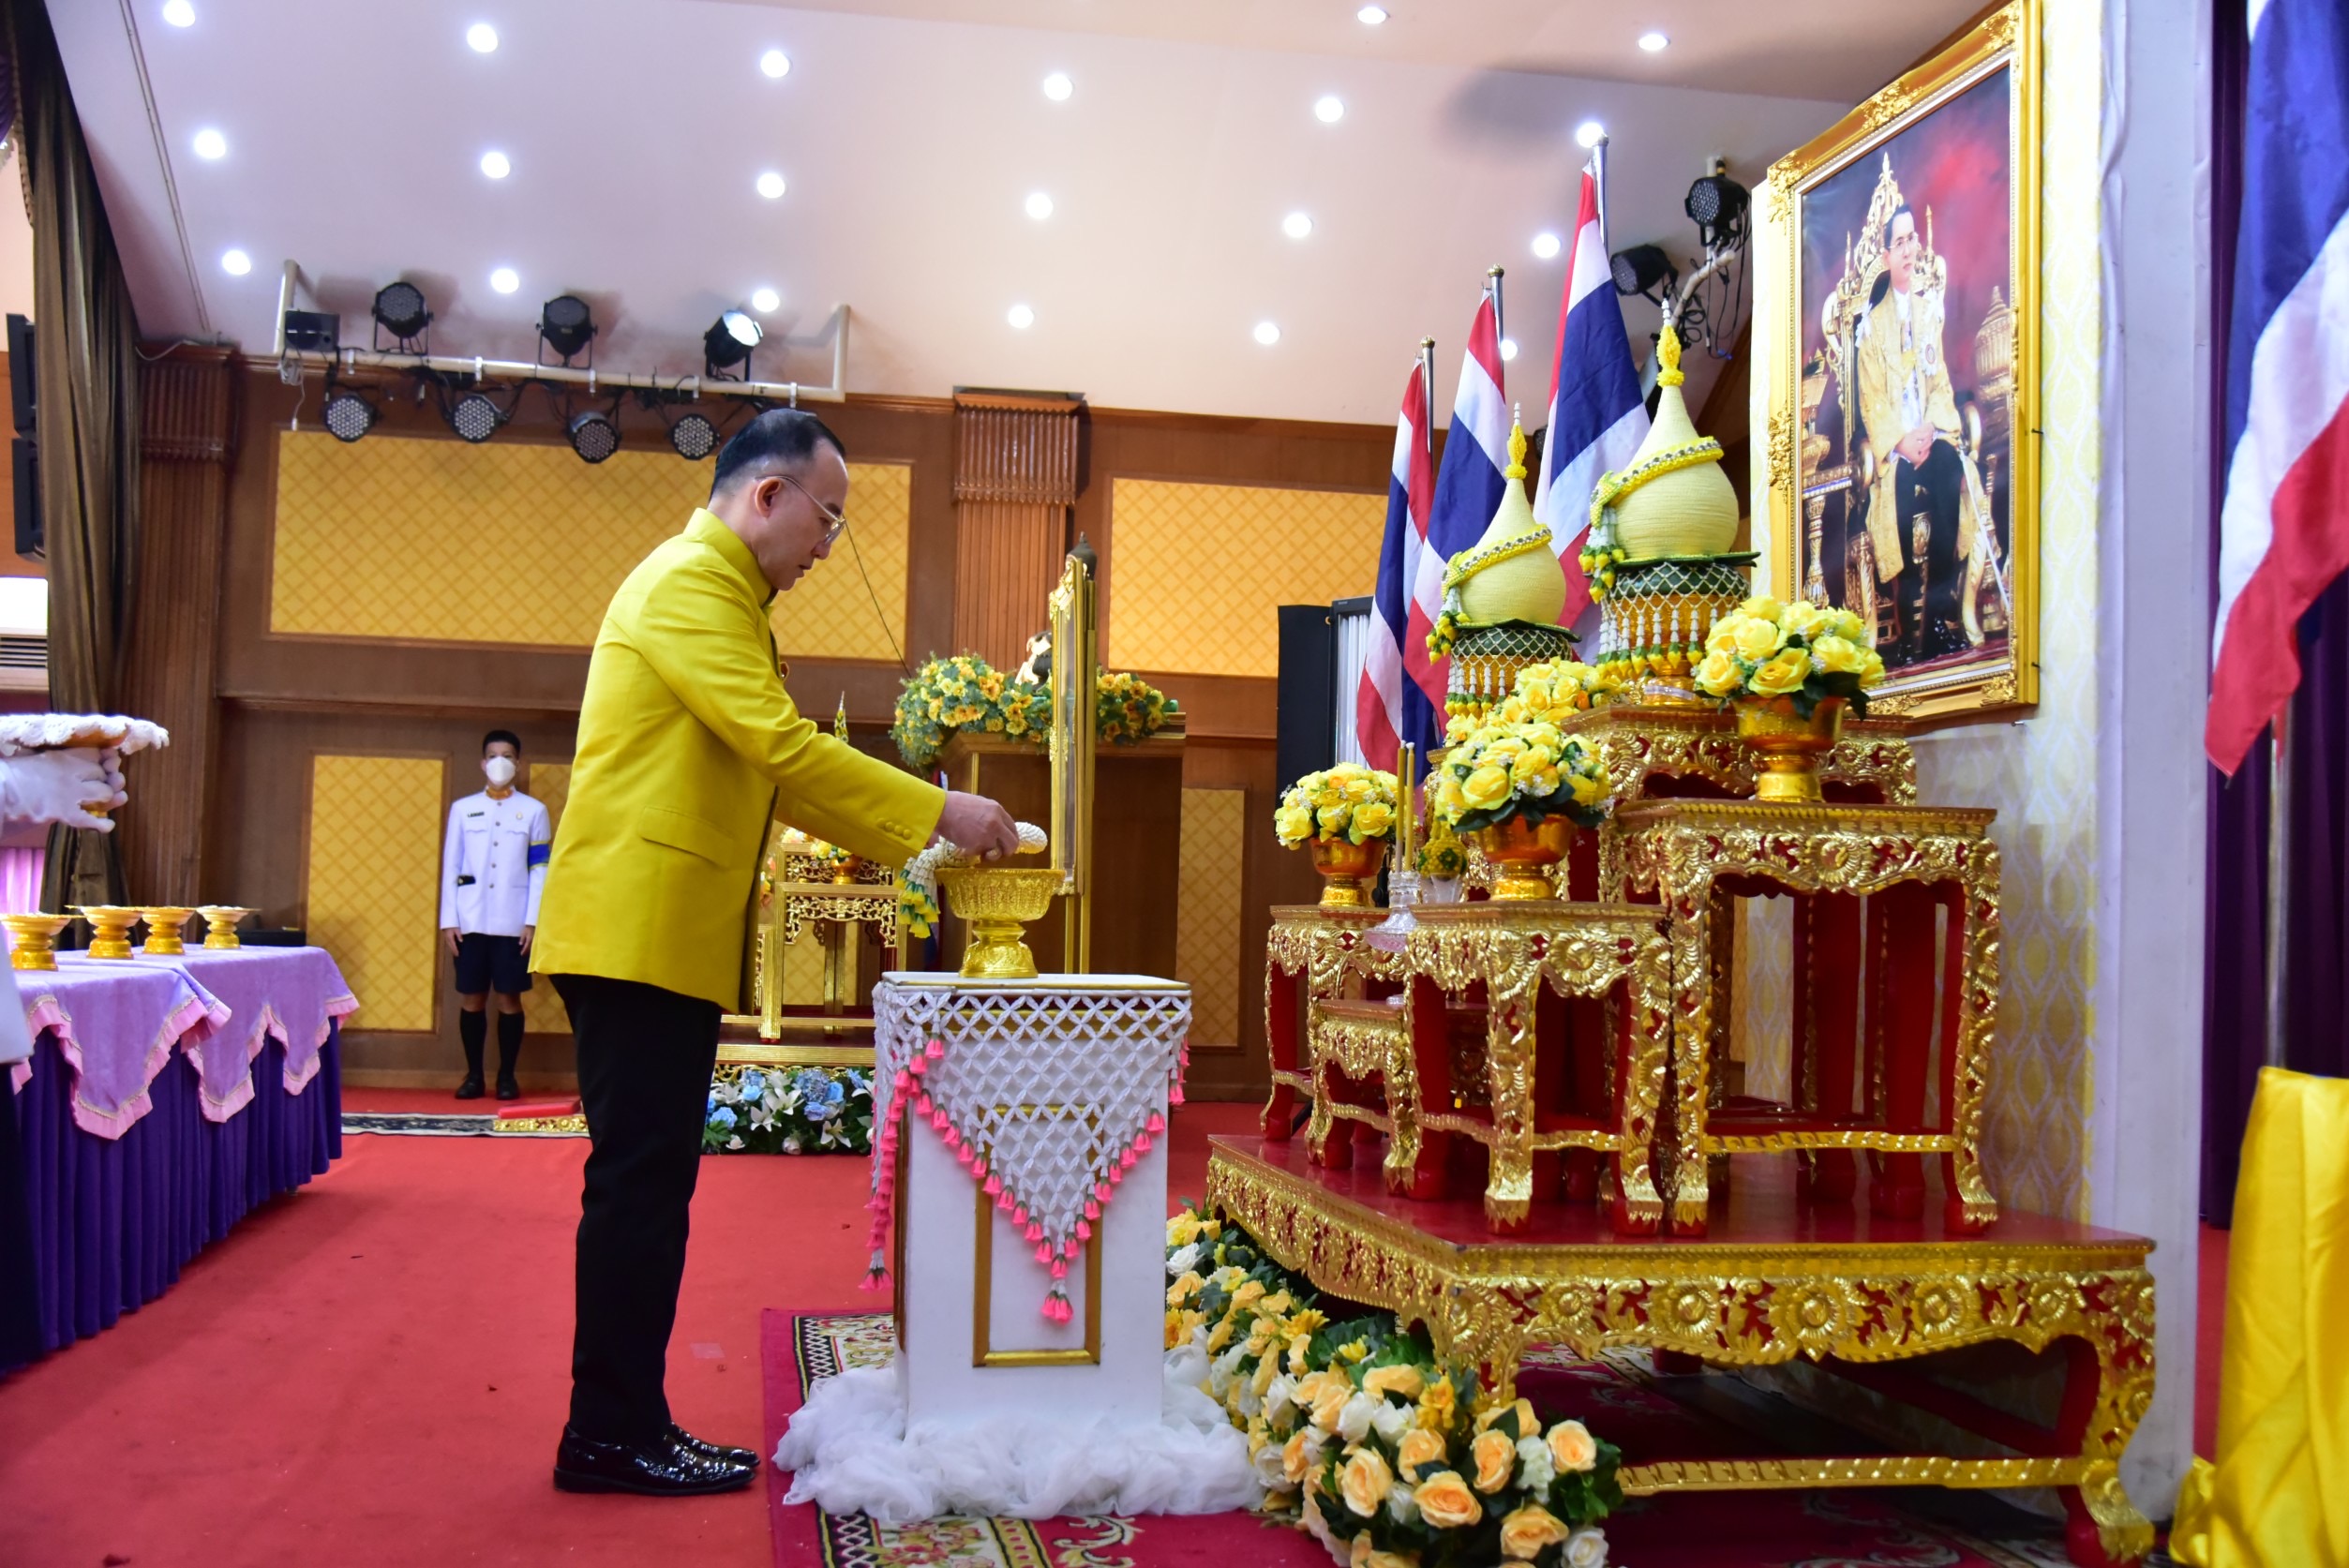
point(499, 769)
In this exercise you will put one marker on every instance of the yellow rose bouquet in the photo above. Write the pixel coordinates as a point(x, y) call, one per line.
point(1362, 1434)
point(1799, 651)
point(1526, 767)
point(1348, 803)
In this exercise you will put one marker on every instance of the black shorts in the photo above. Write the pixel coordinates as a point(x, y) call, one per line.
point(486, 962)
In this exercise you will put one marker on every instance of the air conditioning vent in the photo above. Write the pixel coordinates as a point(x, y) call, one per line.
point(24, 664)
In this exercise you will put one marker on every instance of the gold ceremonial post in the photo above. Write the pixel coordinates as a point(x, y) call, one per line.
point(1407, 823)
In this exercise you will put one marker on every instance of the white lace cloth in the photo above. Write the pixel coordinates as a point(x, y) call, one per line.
point(850, 1452)
point(1047, 1093)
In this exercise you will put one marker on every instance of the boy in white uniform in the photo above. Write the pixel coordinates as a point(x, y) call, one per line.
point(492, 872)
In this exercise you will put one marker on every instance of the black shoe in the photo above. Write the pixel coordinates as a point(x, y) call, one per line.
point(657, 1468)
point(508, 1089)
point(470, 1088)
point(719, 1452)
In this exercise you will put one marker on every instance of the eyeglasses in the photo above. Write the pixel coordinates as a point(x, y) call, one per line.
point(838, 520)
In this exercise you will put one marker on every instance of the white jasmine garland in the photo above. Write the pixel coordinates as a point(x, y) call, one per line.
point(1587, 1549)
point(1535, 1471)
point(1353, 1418)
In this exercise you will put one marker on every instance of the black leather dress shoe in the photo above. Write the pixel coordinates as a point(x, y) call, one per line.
point(656, 1469)
point(509, 1089)
point(470, 1088)
point(693, 1444)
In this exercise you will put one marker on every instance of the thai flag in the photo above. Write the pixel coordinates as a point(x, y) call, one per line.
point(1468, 485)
point(2284, 526)
point(1597, 418)
point(1402, 689)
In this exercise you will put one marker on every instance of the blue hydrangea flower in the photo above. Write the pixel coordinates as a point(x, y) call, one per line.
point(722, 1115)
point(753, 1084)
point(821, 1096)
point(858, 1082)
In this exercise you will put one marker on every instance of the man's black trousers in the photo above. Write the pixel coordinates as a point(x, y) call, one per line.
point(645, 1060)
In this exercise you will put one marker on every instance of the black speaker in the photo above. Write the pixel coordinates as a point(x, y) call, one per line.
point(1305, 722)
point(30, 540)
point(20, 384)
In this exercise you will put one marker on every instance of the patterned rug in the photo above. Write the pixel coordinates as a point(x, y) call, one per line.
point(1706, 1530)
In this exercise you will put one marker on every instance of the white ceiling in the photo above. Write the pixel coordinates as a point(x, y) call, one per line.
point(637, 127)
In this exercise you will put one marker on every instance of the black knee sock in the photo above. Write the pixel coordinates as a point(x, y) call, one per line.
point(509, 1043)
point(472, 1028)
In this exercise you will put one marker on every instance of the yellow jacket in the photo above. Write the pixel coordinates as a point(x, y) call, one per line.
point(688, 746)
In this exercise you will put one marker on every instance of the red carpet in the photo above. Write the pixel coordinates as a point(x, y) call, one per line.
point(1713, 1529)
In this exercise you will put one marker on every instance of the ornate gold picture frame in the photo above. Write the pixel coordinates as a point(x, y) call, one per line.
point(1896, 327)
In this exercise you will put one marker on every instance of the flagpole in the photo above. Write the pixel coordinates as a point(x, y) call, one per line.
point(1426, 392)
point(1598, 171)
point(1500, 322)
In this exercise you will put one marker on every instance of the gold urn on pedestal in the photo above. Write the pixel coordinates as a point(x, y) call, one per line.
point(32, 939)
point(1521, 854)
point(1348, 871)
point(165, 925)
point(221, 923)
point(997, 903)
point(110, 929)
point(1790, 746)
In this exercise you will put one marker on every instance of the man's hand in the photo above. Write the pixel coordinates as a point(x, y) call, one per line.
point(448, 940)
point(977, 825)
point(1917, 445)
point(529, 935)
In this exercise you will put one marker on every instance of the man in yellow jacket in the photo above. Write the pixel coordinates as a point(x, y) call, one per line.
point(688, 747)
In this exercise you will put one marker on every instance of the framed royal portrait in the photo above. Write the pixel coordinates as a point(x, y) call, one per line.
point(1897, 310)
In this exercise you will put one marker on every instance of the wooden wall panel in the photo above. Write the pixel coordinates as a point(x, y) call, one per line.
point(1015, 476)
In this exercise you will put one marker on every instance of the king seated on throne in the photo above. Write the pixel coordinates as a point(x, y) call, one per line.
point(1928, 513)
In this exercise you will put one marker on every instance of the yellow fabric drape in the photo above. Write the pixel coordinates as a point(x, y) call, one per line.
point(2279, 1495)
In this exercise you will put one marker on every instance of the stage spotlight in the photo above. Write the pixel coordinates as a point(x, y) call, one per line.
point(567, 325)
point(1640, 268)
point(400, 311)
point(475, 418)
point(694, 437)
point(728, 343)
point(593, 436)
point(349, 416)
point(1716, 204)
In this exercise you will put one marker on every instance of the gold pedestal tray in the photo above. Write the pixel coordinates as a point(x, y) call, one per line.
point(220, 922)
point(997, 903)
point(165, 925)
point(110, 929)
point(32, 939)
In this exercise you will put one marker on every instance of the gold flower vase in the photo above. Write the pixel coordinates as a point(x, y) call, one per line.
point(847, 870)
point(32, 939)
point(166, 925)
point(1348, 871)
point(1521, 854)
point(221, 923)
point(110, 929)
point(1788, 746)
point(997, 903)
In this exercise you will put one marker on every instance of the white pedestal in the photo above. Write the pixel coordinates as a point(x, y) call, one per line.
point(972, 1341)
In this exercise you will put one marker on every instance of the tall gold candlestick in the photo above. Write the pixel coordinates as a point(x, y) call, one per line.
point(1406, 831)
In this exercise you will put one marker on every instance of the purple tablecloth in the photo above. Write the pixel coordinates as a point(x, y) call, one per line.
point(292, 995)
point(138, 1156)
point(115, 1023)
point(114, 1220)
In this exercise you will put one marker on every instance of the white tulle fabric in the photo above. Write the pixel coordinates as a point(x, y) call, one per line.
point(1048, 1095)
point(850, 1452)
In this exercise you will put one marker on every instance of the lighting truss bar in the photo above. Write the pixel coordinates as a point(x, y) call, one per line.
point(523, 370)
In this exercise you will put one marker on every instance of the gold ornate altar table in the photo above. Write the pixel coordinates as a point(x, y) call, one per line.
point(839, 900)
point(1862, 1295)
point(1916, 865)
point(1305, 961)
point(1510, 1085)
